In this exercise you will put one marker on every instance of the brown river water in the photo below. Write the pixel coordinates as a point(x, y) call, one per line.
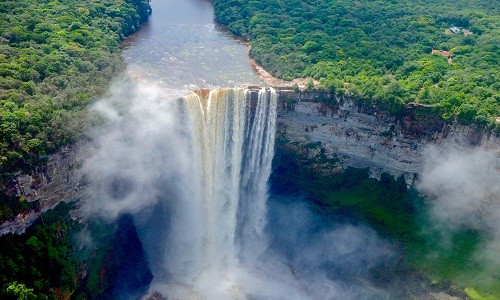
point(181, 47)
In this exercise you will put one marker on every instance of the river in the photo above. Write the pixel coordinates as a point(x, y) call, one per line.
point(181, 46)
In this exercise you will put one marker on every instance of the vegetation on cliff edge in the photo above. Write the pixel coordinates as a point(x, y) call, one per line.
point(39, 264)
point(55, 57)
point(382, 51)
point(58, 258)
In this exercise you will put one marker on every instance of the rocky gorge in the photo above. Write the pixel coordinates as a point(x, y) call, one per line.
point(330, 135)
point(303, 190)
point(345, 131)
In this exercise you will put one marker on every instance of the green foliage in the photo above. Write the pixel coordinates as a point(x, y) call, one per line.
point(453, 255)
point(11, 205)
point(94, 258)
point(384, 203)
point(20, 291)
point(474, 295)
point(55, 56)
point(394, 211)
point(40, 263)
point(380, 51)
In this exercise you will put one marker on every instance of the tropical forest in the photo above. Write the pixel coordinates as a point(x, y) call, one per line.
point(249, 149)
point(387, 52)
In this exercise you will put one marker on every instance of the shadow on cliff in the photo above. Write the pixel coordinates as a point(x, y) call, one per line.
point(114, 263)
point(126, 265)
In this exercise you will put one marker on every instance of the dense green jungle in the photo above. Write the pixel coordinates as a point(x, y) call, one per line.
point(49, 261)
point(56, 56)
point(381, 51)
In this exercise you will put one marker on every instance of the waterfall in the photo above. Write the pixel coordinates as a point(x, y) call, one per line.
point(232, 135)
point(258, 156)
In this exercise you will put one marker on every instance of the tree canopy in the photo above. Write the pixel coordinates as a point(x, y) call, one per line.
point(40, 264)
point(55, 56)
point(381, 51)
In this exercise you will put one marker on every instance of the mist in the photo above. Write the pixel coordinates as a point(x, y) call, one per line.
point(463, 185)
point(145, 163)
point(325, 257)
point(142, 164)
point(137, 144)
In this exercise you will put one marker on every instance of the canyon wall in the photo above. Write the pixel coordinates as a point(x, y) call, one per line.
point(59, 180)
point(307, 122)
point(365, 137)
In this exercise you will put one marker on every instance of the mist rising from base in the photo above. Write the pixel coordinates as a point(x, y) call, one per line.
point(193, 173)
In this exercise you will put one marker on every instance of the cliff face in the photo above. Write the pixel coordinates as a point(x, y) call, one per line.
point(60, 180)
point(363, 137)
point(355, 136)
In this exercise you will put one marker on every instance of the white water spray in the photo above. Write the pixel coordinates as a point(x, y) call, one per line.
point(193, 173)
point(233, 146)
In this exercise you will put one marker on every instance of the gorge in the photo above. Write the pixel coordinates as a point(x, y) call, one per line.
point(227, 190)
point(206, 225)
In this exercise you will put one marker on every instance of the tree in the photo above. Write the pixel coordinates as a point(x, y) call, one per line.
point(352, 45)
point(20, 291)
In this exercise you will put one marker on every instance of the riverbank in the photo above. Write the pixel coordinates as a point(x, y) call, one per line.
point(366, 136)
point(270, 80)
point(325, 42)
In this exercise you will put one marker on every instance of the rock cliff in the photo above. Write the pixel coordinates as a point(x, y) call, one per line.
point(364, 137)
point(355, 136)
point(60, 180)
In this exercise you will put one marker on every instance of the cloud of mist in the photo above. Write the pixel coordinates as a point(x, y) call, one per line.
point(310, 256)
point(466, 186)
point(136, 148)
point(465, 190)
point(142, 164)
point(320, 258)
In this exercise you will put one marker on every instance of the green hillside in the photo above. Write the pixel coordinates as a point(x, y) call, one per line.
point(381, 51)
point(55, 57)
